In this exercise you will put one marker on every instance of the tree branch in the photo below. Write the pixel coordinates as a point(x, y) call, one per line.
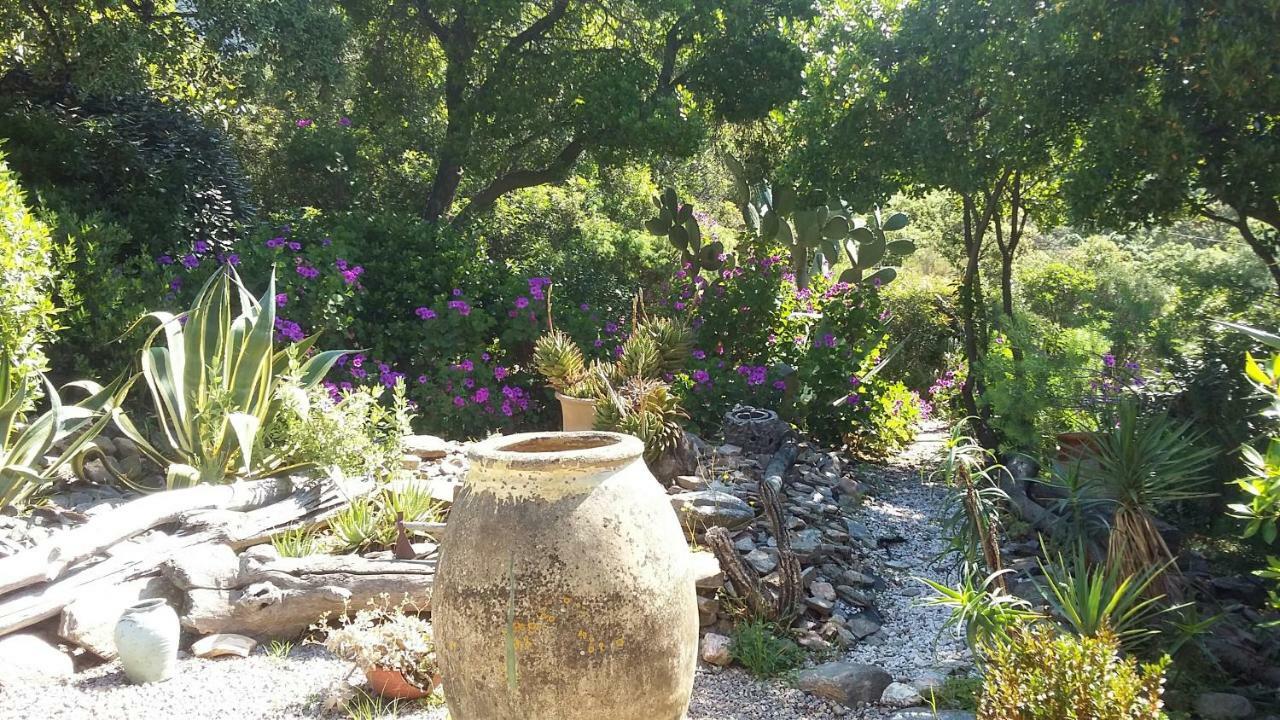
point(553, 171)
point(426, 17)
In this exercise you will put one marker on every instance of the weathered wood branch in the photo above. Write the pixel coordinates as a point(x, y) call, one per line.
point(50, 560)
point(272, 596)
point(199, 529)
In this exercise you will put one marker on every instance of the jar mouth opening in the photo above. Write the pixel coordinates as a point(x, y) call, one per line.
point(148, 604)
point(556, 449)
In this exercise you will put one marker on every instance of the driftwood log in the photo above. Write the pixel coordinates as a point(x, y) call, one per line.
point(263, 595)
point(114, 565)
point(782, 605)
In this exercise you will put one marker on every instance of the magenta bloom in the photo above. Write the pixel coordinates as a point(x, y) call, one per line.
point(522, 302)
point(699, 354)
point(282, 299)
point(304, 123)
point(307, 271)
point(190, 261)
point(701, 376)
point(481, 396)
point(467, 365)
point(425, 313)
point(201, 246)
point(499, 373)
point(779, 385)
point(164, 260)
point(852, 399)
point(461, 306)
point(344, 121)
point(276, 242)
point(459, 401)
point(289, 330)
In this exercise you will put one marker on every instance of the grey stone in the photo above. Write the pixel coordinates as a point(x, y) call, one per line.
point(1223, 706)
point(863, 624)
point(706, 571)
point(845, 682)
point(710, 508)
point(692, 483)
point(900, 695)
point(763, 560)
point(708, 611)
point(680, 459)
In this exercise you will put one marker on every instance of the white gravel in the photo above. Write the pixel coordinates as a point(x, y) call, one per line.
point(261, 686)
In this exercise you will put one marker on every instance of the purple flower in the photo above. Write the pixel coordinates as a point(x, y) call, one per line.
point(598, 343)
point(611, 328)
point(1109, 360)
point(522, 302)
point(289, 330)
point(352, 275)
point(304, 123)
point(164, 260)
point(829, 340)
point(344, 121)
point(481, 396)
point(459, 401)
point(282, 299)
point(537, 285)
point(190, 261)
point(232, 259)
point(701, 376)
point(461, 306)
point(294, 245)
point(307, 271)
point(175, 284)
point(201, 246)
point(457, 292)
point(467, 365)
point(422, 379)
point(468, 383)
point(584, 307)
point(779, 385)
point(326, 241)
point(699, 354)
point(425, 313)
point(276, 242)
point(506, 408)
point(499, 373)
point(357, 361)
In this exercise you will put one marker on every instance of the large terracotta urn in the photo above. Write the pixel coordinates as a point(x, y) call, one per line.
point(565, 588)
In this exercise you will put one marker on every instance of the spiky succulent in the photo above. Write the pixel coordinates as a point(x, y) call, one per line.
point(645, 408)
point(557, 358)
point(674, 340)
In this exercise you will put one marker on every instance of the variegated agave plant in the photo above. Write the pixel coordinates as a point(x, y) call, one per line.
point(25, 448)
point(213, 382)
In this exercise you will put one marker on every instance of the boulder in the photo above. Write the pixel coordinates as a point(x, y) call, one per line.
point(715, 649)
point(692, 483)
point(708, 611)
point(27, 658)
point(845, 682)
point(681, 459)
point(863, 624)
point(707, 574)
point(705, 509)
point(1223, 706)
point(764, 560)
point(90, 621)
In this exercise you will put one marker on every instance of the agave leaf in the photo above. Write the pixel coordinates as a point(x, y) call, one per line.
point(181, 475)
point(245, 427)
point(1266, 338)
point(17, 482)
point(318, 365)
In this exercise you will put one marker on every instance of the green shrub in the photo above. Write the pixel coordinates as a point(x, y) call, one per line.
point(956, 693)
point(27, 313)
point(354, 431)
point(1040, 675)
point(757, 646)
point(920, 309)
point(369, 522)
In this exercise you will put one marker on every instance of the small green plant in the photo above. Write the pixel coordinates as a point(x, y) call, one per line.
point(279, 649)
point(367, 706)
point(371, 521)
point(356, 527)
point(559, 360)
point(956, 693)
point(1038, 674)
point(758, 647)
point(1095, 599)
point(381, 636)
point(983, 609)
point(214, 381)
point(299, 542)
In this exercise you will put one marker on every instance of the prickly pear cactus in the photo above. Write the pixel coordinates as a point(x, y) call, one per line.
point(675, 220)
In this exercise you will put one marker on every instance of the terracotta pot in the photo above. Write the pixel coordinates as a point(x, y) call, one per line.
point(393, 685)
point(565, 587)
point(147, 641)
point(1075, 445)
point(577, 414)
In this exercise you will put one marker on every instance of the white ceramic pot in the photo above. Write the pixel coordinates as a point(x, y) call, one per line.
point(147, 641)
point(565, 587)
point(577, 414)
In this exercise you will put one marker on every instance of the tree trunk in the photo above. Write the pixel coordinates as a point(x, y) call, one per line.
point(458, 43)
point(970, 306)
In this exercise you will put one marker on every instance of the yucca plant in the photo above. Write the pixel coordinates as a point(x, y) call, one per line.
point(972, 523)
point(213, 384)
point(25, 447)
point(1091, 599)
point(1140, 464)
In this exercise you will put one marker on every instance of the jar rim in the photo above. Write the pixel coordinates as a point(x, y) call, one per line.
point(548, 450)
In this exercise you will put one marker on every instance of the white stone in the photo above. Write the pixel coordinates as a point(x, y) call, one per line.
point(28, 658)
point(900, 695)
point(219, 644)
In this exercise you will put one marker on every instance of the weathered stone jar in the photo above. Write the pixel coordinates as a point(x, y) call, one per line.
point(565, 588)
point(147, 641)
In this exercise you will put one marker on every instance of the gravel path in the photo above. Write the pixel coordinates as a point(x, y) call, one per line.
point(901, 512)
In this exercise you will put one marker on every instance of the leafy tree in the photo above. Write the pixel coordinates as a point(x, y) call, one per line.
point(1196, 130)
